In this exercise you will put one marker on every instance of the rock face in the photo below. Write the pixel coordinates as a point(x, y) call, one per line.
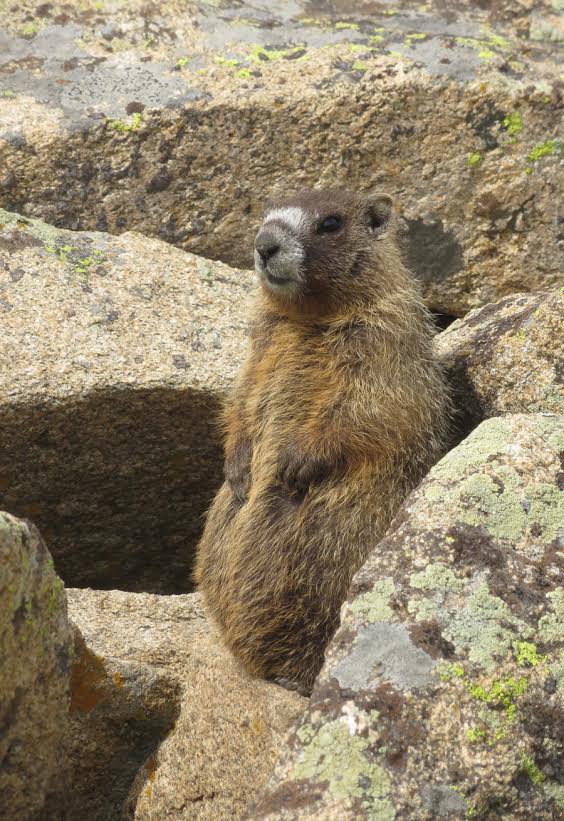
point(507, 357)
point(35, 656)
point(442, 691)
point(150, 672)
point(114, 356)
point(111, 117)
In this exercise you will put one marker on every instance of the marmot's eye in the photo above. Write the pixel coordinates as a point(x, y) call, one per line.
point(328, 225)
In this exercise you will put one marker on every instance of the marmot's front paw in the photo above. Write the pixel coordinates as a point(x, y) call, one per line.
point(237, 469)
point(297, 470)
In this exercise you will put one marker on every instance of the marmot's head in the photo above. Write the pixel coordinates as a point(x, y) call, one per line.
point(323, 247)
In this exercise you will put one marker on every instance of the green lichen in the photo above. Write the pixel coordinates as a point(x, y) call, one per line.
point(484, 46)
point(54, 597)
point(41, 230)
point(474, 734)
point(244, 73)
point(437, 577)
point(527, 655)
point(483, 628)
point(130, 125)
point(480, 625)
point(30, 29)
point(492, 436)
point(499, 699)
point(72, 256)
point(555, 792)
point(342, 24)
point(119, 44)
point(358, 65)
point(411, 38)
point(513, 123)
point(556, 670)
point(374, 606)
point(475, 158)
point(551, 625)
point(481, 501)
point(245, 21)
point(225, 61)
point(503, 692)
point(333, 756)
point(376, 38)
point(7, 93)
point(498, 41)
point(546, 149)
point(82, 265)
point(529, 766)
point(481, 47)
point(182, 62)
point(449, 672)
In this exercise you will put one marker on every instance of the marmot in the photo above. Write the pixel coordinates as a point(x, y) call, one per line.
point(337, 414)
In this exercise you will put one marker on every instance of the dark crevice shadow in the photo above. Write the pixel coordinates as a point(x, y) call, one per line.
point(442, 321)
point(118, 483)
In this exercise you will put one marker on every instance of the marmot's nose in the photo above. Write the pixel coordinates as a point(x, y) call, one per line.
point(267, 245)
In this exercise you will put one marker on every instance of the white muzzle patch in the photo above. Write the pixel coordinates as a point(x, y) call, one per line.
point(282, 272)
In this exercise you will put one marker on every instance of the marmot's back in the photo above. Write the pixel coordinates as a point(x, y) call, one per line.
point(338, 412)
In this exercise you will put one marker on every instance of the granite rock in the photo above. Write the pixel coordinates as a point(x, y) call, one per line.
point(442, 692)
point(35, 658)
point(164, 724)
point(114, 357)
point(507, 357)
point(179, 119)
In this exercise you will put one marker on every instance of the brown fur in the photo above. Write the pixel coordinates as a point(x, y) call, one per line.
point(338, 413)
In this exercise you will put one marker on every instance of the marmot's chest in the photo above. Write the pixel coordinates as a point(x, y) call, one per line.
point(294, 380)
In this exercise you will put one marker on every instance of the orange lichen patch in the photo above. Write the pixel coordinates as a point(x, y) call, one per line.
point(88, 680)
point(151, 767)
point(118, 679)
point(149, 791)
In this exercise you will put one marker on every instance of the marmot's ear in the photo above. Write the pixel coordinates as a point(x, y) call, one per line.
point(379, 209)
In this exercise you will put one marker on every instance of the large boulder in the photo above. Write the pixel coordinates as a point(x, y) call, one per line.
point(177, 120)
point(507, 357)
point(115, 354)
point(442, 692)
point(35, 657)
point(164, 724)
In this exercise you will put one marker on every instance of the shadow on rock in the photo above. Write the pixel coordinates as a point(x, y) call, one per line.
point(118, 484)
